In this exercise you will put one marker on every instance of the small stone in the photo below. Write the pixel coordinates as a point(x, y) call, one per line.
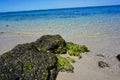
point(100, 55)
point(7, 25)
point(80, 57)
point(118, 57)
point(102, 64)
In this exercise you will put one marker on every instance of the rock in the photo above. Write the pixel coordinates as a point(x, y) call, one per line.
point(25, 62)
point(102, 64)
point(80, 57)
point(35, 61)
point(118, 57)
point(53, 43)
point(100, 55)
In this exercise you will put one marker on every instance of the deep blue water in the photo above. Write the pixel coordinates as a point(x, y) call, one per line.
point(60, 13)
point(104, 20)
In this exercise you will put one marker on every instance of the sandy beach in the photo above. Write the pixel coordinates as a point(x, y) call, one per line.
point(85, 68)
point(96, 27)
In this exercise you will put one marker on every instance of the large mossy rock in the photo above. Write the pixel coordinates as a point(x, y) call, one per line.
point(25, 62)
point(39, 60)
point(36, 60)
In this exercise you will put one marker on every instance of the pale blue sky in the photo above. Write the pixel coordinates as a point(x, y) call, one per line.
point(21, 5)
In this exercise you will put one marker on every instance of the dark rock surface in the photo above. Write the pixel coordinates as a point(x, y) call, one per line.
point(55, 44)
point(33, 61)
point(25, 62)
point(102, 64)
point(118, 57)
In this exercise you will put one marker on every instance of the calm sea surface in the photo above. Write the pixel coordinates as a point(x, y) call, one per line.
point(90, 21)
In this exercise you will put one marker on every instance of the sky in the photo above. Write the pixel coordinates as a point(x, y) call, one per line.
point(23, 5)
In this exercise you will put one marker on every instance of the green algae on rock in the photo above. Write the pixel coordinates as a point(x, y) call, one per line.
point(64, 64)
point(75, 49)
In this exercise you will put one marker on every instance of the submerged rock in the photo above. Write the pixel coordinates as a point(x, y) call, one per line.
point(7, 25)
point(2, 32)
point(102, 64)
point(118, 57)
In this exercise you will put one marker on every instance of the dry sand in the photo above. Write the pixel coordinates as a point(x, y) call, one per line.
point(87, 67)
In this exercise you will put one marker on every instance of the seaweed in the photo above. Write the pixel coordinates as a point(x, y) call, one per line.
point(64, 64)
point(75, 49)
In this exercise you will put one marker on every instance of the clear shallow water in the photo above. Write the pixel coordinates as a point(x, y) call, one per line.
point(90, 21)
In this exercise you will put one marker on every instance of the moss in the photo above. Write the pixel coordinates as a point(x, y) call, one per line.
point(1, 75)
point(41, 49)
point(83, 48)
point(71, 60)
point(61, 49)
point(28, 67)
point(64, 64)
point(75, 49)
point(72, 52)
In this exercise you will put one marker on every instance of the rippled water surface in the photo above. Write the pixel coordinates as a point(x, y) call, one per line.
point(91, 21)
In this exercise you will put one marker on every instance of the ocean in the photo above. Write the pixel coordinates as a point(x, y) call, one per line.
point(82, 21)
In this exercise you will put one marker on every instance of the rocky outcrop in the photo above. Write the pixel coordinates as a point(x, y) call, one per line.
point(39, 60)
point(25, 62)
point(55, 44)
point(35, 61)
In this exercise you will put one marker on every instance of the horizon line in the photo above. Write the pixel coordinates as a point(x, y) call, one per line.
point(56, 8)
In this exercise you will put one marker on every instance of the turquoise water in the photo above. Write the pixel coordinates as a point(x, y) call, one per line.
point(90, 21)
